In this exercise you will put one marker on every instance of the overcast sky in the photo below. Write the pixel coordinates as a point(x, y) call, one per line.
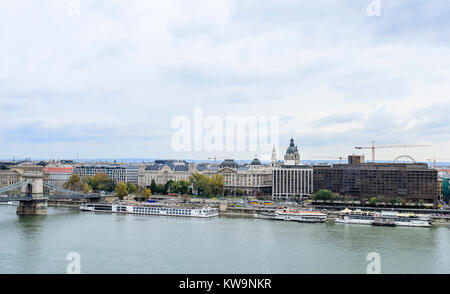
point(109, 81)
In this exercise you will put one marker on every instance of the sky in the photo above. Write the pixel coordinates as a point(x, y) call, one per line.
point(106, 79)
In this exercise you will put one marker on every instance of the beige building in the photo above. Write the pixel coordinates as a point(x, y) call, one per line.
point(162, 171)
point(252, 179)
point(8, 177)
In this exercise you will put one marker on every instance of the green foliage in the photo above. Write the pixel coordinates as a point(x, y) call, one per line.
point(373, 201)
point(121, 190)
point(239, 192)
point(153, 186)
point(181, 187)
point(131, 188)
point(168, 186)
point(395, 201)
point(100, 182)
point(75, 184)
point(323, 194)
point(207, 185)
point(146, 193)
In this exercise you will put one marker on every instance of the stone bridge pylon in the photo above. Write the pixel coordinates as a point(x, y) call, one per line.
point(33, 191)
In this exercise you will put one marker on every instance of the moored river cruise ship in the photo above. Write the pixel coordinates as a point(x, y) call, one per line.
point(204, 212)
point(383, 218)
point(292, 214)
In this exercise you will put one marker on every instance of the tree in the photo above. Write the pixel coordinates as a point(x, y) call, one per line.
point(373, 201)
point(167, 187)
point(239, 192)
point(147, 193)
point(153, 186)
point(100, 181)
point(216, 184)
point(75, 184)
point(121, 190)
point(196, 180)
point(183, 187)
point(131, 188)
point(205, 185)
point(323, 194)
point(86, 188)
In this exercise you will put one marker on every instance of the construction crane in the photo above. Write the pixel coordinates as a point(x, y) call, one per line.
point(215, 158)
point(373, 147)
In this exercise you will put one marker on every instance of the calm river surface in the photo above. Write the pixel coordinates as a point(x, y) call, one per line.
point(115, 243)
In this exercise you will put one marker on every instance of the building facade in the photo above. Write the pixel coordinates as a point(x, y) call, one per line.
point(57, 175)
point(8, 177)
point(292, 156)
point(291, 179)
point(446, 189)
point(162, 171)
point(252, 179)
point(118, 173)
point(413, 182)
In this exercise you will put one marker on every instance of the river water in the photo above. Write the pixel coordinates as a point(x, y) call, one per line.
point(116, 243)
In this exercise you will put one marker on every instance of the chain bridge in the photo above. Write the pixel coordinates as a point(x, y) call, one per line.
point(32, 192)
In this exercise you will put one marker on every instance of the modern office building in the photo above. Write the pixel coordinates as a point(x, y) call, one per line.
point(291, 178)
point(118, 173)
point(357, 180)
point(446, 188)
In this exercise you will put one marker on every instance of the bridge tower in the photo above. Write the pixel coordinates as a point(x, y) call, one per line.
point(33, 191)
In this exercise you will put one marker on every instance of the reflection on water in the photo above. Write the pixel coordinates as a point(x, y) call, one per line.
point(114, 243)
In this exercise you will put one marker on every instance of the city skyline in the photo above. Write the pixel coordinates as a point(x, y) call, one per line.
point(108, 81)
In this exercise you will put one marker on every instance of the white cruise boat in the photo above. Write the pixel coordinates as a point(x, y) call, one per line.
point(265, 215)
point(204, 212)
point(358, 217)
point(15, 203)
point(387, 218)
point(407, 219)
point(308, 216)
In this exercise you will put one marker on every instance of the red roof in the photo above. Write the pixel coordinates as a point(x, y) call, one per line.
point(57, 170)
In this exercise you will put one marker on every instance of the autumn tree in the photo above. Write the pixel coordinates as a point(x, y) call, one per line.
point(131, 188)
point(100, 181)
point(75, 184)
point(121, 190)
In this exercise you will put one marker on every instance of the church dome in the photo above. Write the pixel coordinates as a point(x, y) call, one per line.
point(256, 162)
point(292, 148)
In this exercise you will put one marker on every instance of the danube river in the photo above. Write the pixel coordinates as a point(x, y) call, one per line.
point(116, 243)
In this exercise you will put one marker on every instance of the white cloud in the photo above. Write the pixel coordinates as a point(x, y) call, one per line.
point(132, 66)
